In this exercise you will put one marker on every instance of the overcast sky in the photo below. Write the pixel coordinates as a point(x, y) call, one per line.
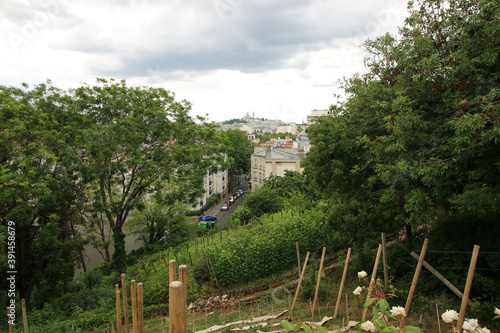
point(277, 58)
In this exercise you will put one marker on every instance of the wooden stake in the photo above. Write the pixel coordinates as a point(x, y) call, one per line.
point(319, 280)
point(183, 279)
point(415, 277)
point(133, 296)
point(118, 310)
point(175, 307)
point(171, 270)
point(384, 261)
point(213, 271)
point(25, 317)
point(140, 307)
point(439, 321)
point(152, 263)
point(442, 278)
point(372, 280)
point(300, 282)
point(468, 286)
point(125, 304)
point(11, 326)
point(341, 289)
point(347, 307)
point(298, 256)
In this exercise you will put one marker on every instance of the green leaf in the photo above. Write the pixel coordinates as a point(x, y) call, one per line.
point(286, 325)
point(307, 328)
point(321, 329)
point(413, 329)
point(369, 302)
point(383, 305)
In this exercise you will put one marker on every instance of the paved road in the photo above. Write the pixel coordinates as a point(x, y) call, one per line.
point(223, 215)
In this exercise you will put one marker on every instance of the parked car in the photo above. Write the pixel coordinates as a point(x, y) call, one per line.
point(231, 199)
point(229, 203)
point(224, 206)
point(207, 221)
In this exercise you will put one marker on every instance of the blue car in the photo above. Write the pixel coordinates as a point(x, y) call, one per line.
point(208, 221)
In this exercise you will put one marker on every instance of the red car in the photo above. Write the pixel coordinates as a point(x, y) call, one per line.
point(229, 203)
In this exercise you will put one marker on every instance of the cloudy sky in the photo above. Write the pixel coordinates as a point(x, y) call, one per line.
point(277, 58)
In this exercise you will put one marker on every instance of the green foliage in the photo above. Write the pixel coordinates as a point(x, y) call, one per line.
point(141, 141)
point(267, 248)
point(235, 120)
point(263, 201)
point(301, 327)
point(419, 133)
point(238, 149)
point(292, 182)
point(160, 226)
point(41, 181)
point(308, 289)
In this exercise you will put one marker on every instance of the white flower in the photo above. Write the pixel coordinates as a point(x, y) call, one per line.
point(497, 312)
point(357, 291)
point(362, 274)
point(470, 325)
point(368, 326)
point(449, 315)
point(398, 311)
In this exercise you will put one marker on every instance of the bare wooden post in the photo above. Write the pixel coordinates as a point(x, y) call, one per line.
point(125, 304)
point(347, 307)
point(11, 326)
point(415, 277)
point(213, 271)
point(118, 310)
point(298, 256)
point(442, 278)
point(372, 280)
point(384, 261)
point(319, 280)
point(183, 279)
point(140, 307)
point(25, 317)
point(171, 270)
point(468, 285)
point(439, 321)
point(300, 281)
point(152, 263)
point(133, 296)
point(175, 307)
point(341, 289)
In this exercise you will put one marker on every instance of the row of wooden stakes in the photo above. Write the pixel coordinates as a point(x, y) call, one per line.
point(177, 303)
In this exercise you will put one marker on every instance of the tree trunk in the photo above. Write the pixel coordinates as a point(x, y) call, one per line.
point(409, 235)
point(119, 258)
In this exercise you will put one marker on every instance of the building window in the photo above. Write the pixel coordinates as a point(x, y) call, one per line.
point(255, 162)
point(255, 175)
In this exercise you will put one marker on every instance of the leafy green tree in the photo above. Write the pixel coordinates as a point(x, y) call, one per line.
point(238, 149)
point(263, 201)
point(419, 133)
point(41, 184)
point(140, 142)
point(167, 226)
point(291, 182)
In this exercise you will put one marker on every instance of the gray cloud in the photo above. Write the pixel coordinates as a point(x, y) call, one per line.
point(249, 36)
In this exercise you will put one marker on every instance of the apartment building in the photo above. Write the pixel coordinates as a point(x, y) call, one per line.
point(275, 157)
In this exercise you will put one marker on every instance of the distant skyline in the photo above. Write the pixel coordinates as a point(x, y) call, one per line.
point(277, 58)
